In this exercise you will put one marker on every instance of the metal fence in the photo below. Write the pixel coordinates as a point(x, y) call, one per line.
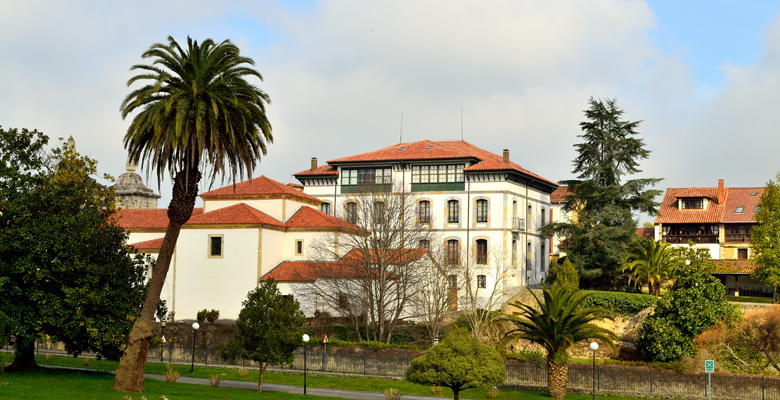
point(610, 379)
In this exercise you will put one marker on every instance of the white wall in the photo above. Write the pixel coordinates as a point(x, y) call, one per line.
point(281, 209)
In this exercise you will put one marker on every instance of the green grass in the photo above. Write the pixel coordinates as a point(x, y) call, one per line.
point(51, 385)
point(349, 383)
point(749, 299)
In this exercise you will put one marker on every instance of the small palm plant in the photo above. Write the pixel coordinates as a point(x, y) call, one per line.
point(557, 323)
point(651, 263)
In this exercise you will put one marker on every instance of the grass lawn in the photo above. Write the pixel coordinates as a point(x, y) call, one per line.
point(749, 299)
point(349, 383)
point(56, 385)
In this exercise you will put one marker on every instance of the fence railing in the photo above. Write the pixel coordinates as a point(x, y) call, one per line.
point(610, 379)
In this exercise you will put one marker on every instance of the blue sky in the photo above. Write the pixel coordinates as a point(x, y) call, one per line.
point(703, 76)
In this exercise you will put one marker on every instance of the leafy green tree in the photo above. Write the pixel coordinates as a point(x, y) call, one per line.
point(651, 263)
point(270, 327)
point(695, 302)
point(765, 238)
point(197, 113)
point(557, 323)
point(603, 201)
point(564, 274)
point(459, 362)
point(85, 293)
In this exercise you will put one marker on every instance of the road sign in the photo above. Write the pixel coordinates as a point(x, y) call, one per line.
point(709, 366)
point(325, 339)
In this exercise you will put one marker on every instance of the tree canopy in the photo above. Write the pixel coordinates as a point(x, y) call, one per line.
point(605, 195)
point(53, 281)
point(459, 362)
point(765, 238)
point(651, 263)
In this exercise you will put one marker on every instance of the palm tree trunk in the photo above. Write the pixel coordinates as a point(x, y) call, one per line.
point(557, 378)
point(24, 355)
point(130, 372)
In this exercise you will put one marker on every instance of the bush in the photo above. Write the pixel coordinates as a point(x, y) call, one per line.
point(207, 315)
point(564, 274)
point(243, 372)
point(372, 345)
point(661, 340)
point(392, 394)
point(171, 375)
point(620, 302)
point(215, 380)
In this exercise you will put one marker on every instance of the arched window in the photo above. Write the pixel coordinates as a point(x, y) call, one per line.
point(325, 207)
point(453, 211)
point(379, 212)
point(453, 252)
point(424, 211)
point(543, 217)
point(352, 212)
point(481, 281)
point(425, 244)
point(482, 251)
point(482, 210)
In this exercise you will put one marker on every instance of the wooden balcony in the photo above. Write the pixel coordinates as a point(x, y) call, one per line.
point(696, 238)
point(737, 238)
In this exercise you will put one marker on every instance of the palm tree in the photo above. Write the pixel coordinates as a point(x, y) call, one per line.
point(557, 323)
point(651, 263)
point(196, 110)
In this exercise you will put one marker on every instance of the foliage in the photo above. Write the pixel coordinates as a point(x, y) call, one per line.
point(85, 293)
point(765, 238)
point(269, 325)
point(162, 313)
point(598, 239)
point(564, 274)
point(372, 345)
point(458, 362)
point(621, 303)
point(171, 375)
point(207, 315)
point(392, 394)
point(650, 263)
point(695, 302)
point(752, 345)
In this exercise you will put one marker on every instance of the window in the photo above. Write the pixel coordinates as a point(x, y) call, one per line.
point(481, 281)
point(757, 210)
point(514, 252)
point(366, 176)
point(482, 251)
point(424, 211)
point(437, 173)
point(299, 247)
point(379, 212)
point(742, 254)
point(342, 301)
point(352, 212)
point(482, 210)
point(543, 217)
point(695, 203)
point(453, 281)
point(425, 244)
point(453, 252)
point(325, 207)
point(542, 256)
point(453, 211)
point(215, 245)
point(740, 209)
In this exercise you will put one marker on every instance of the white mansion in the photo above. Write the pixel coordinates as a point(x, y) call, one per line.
point(480, 204)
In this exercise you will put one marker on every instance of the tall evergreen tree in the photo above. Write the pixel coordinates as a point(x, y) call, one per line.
point(765, 238)
point(602, 197)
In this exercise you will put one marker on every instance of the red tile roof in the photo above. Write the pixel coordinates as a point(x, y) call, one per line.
point(734, 267)
point(261, 186)
point(307, 217)
point(145, 218)
point(559, 195)
point(322, 170)
point(147, 246)
point(237, 214)
point(436, 150)
point(645, 232)
point(387, 257)
point(725, 212)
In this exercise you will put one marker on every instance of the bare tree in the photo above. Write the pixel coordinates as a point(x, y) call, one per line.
point(371, 277)
point(436, 294)
point(479, 298)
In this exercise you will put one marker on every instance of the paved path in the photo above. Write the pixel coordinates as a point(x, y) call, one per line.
point(272, 387)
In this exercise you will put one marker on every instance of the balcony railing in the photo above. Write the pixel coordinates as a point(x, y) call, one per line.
point(696, 238)
point(737, 237)
point(518, 224)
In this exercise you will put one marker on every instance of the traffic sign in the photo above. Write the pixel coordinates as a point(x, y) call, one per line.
point(325, 339)
point(709, 366)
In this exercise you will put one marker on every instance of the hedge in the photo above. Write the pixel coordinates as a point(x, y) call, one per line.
point(621, 303)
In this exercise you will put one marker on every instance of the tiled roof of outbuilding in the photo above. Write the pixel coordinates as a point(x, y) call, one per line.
point(559, 195)
point(716, 212)
point(260, 186)
point(237, 214)
point(307, 217)
point(145, 218)
point(148, 246)
point(734, 267)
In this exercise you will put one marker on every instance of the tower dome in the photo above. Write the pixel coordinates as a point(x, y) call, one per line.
point(132, 193)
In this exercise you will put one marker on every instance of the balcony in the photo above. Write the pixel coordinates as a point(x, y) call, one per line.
point(737, 238)
point(373, 188)
point(518, 224)
point(696, 238)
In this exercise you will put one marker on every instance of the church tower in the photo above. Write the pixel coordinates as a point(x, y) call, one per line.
point(131, 191)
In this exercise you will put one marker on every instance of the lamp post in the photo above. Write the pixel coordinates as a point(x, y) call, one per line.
point(195, 327)
point(305, 338)
point(162, 344)
point(594, 347)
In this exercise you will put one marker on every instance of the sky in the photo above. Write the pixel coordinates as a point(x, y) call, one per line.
point(702, 76)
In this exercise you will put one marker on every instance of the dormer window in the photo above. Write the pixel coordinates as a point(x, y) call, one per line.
point(757, 210)
point(696, 203)
point(740, 209)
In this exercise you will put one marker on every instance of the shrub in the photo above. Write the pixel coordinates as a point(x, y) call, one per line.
point(392, 394)
point(215, 380)
point(372, 345)
point(620, 302)
point(205, 315)
point(243, 372)
point(492, 392)
point(564, 274)
point(661, 340)
point(171, 375)
point(436, 390)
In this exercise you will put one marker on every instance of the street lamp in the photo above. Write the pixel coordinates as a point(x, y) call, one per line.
point(162, 344)
point(195, 327)
point(594, 347)
point(305, 338)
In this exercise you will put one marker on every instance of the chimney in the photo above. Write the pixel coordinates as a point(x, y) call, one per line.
point(721, 192)
point(313, 163)
point(506, 155)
